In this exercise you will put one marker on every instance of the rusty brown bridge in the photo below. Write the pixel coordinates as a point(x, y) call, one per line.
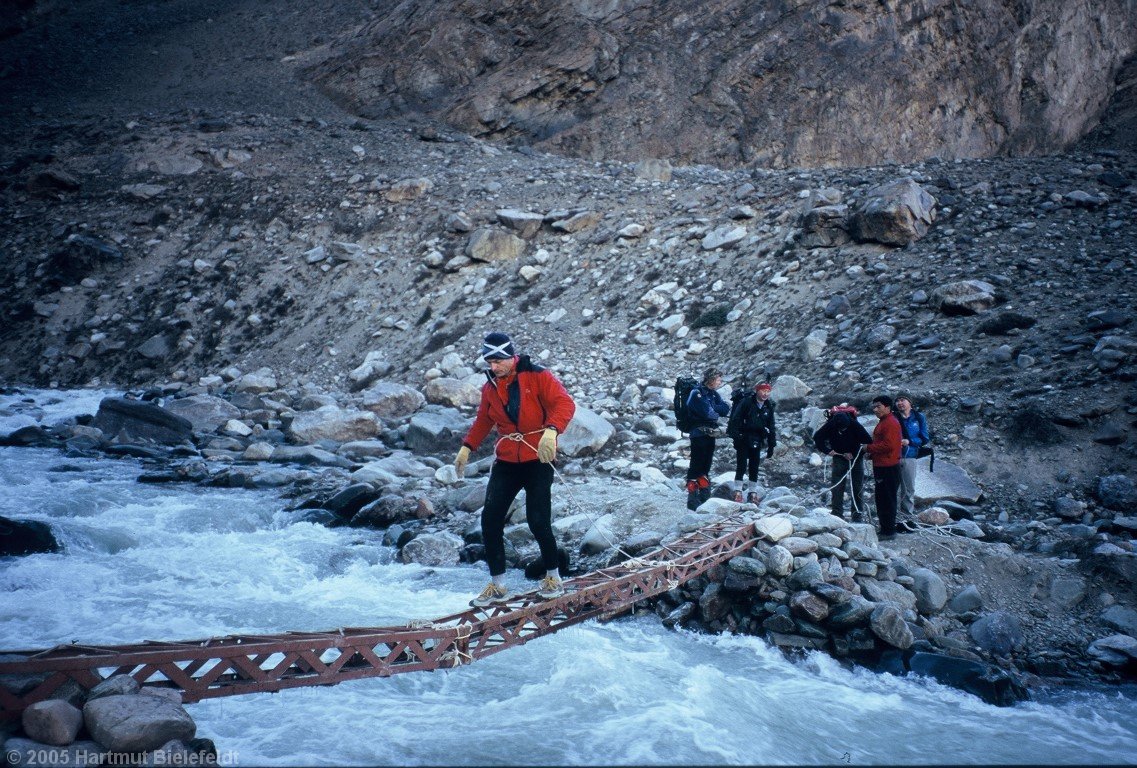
point(237, 664)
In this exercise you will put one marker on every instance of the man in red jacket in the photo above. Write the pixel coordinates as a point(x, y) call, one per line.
point(884, 451)
point(529, 407)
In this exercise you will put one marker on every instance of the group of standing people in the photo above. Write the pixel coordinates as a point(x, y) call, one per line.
point(750, 427)
point(529, 408)
point(893, 448)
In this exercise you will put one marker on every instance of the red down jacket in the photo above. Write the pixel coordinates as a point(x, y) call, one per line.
point(527, 402)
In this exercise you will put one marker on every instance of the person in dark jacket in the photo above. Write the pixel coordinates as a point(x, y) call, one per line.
point(842, 438)
point(529, 407)
point(705, 405)
point(884, 450)
point(755, 420)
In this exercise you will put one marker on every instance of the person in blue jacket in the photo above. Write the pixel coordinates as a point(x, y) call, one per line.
point(705, 405)
point(913, 436)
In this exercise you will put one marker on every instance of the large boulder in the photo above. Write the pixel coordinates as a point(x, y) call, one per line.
point(52, 722)
point(895, 213)
point(453, 393)
point(964, 297)
point(133, 421)
point(930, 591)
point(998, 632)
point(439, 549)
point(136, 723)
point(789, 392)
point(391, 400)
point(25, 537)
point(206, 413)
point(333, 423)
point(988, 682)
point(948, 483)
point(887, 622)
point(586, 434)
point(436, 431)
point(825, 226)
point(1117, 492)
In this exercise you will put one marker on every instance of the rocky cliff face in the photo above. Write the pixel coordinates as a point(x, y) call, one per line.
point(730, 82)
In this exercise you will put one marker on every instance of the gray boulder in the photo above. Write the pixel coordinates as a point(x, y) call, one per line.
point(136, 723)
point(887, 623)
point(886, 592)
point(895, 213)
point(964, 297)
point(490, 244)
point(333, 423)
point(930, 591)
point(997, 632)
point(1116, 492)
point(453, 393)
point(1115, 650)
point(966, 600)
point(948, 483)
point(825, 227)
point(586, 434)
point(118, 685)
point(439, 549)
point(133, 421)
point(206, 413)
point(436, 431)
point(1121, 618)
point(52, 722)
point(21, 752)
point(391, 400)
point(26, 537)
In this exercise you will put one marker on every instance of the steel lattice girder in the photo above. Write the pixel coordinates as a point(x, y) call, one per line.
point(240, 664)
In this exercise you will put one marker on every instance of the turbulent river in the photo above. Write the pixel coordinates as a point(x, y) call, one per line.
point(147, 562)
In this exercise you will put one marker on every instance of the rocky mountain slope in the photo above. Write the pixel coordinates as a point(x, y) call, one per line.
point(777, 84)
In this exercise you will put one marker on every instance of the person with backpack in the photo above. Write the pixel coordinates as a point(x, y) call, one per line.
point(751, 425)
point(914, 436)
point(529, 407)
point(703, 406)
point(842, 439)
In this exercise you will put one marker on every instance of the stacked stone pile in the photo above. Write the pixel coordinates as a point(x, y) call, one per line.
point(115, 722)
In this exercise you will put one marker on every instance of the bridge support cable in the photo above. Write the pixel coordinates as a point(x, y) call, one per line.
point(239, 664)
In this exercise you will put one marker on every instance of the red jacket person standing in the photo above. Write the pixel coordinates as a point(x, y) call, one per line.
point(884, 450)
point(529, 407)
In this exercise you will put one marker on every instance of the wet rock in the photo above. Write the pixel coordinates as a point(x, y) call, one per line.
point(437, 549)
point(348, 501)
point(134, 421)
point(887, 623)
point(25, 537)
point(136, 723)
point(52, 722)
point(385, 511)
point(993, 685)
point(713, 604)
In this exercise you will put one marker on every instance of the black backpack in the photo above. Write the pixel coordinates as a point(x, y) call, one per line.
point(683, 387)
point(738, 417)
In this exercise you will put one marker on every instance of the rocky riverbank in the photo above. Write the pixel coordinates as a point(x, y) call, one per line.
point(1056, 605)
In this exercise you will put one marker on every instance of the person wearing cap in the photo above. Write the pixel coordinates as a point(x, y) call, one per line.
point(884, 452)
point(755, 419)
point(705, 405)
point(529, 407)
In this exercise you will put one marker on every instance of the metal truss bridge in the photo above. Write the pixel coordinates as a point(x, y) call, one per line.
point(239, 664)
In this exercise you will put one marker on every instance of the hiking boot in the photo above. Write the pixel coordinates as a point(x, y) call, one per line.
point(493, 594)
point(550, 588)
point(737, 496)
point(752, 497)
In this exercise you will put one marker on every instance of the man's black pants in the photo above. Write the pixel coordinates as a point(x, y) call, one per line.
point(856, 478)
point(747, 455)
point(507, 479)
point(887, 481)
